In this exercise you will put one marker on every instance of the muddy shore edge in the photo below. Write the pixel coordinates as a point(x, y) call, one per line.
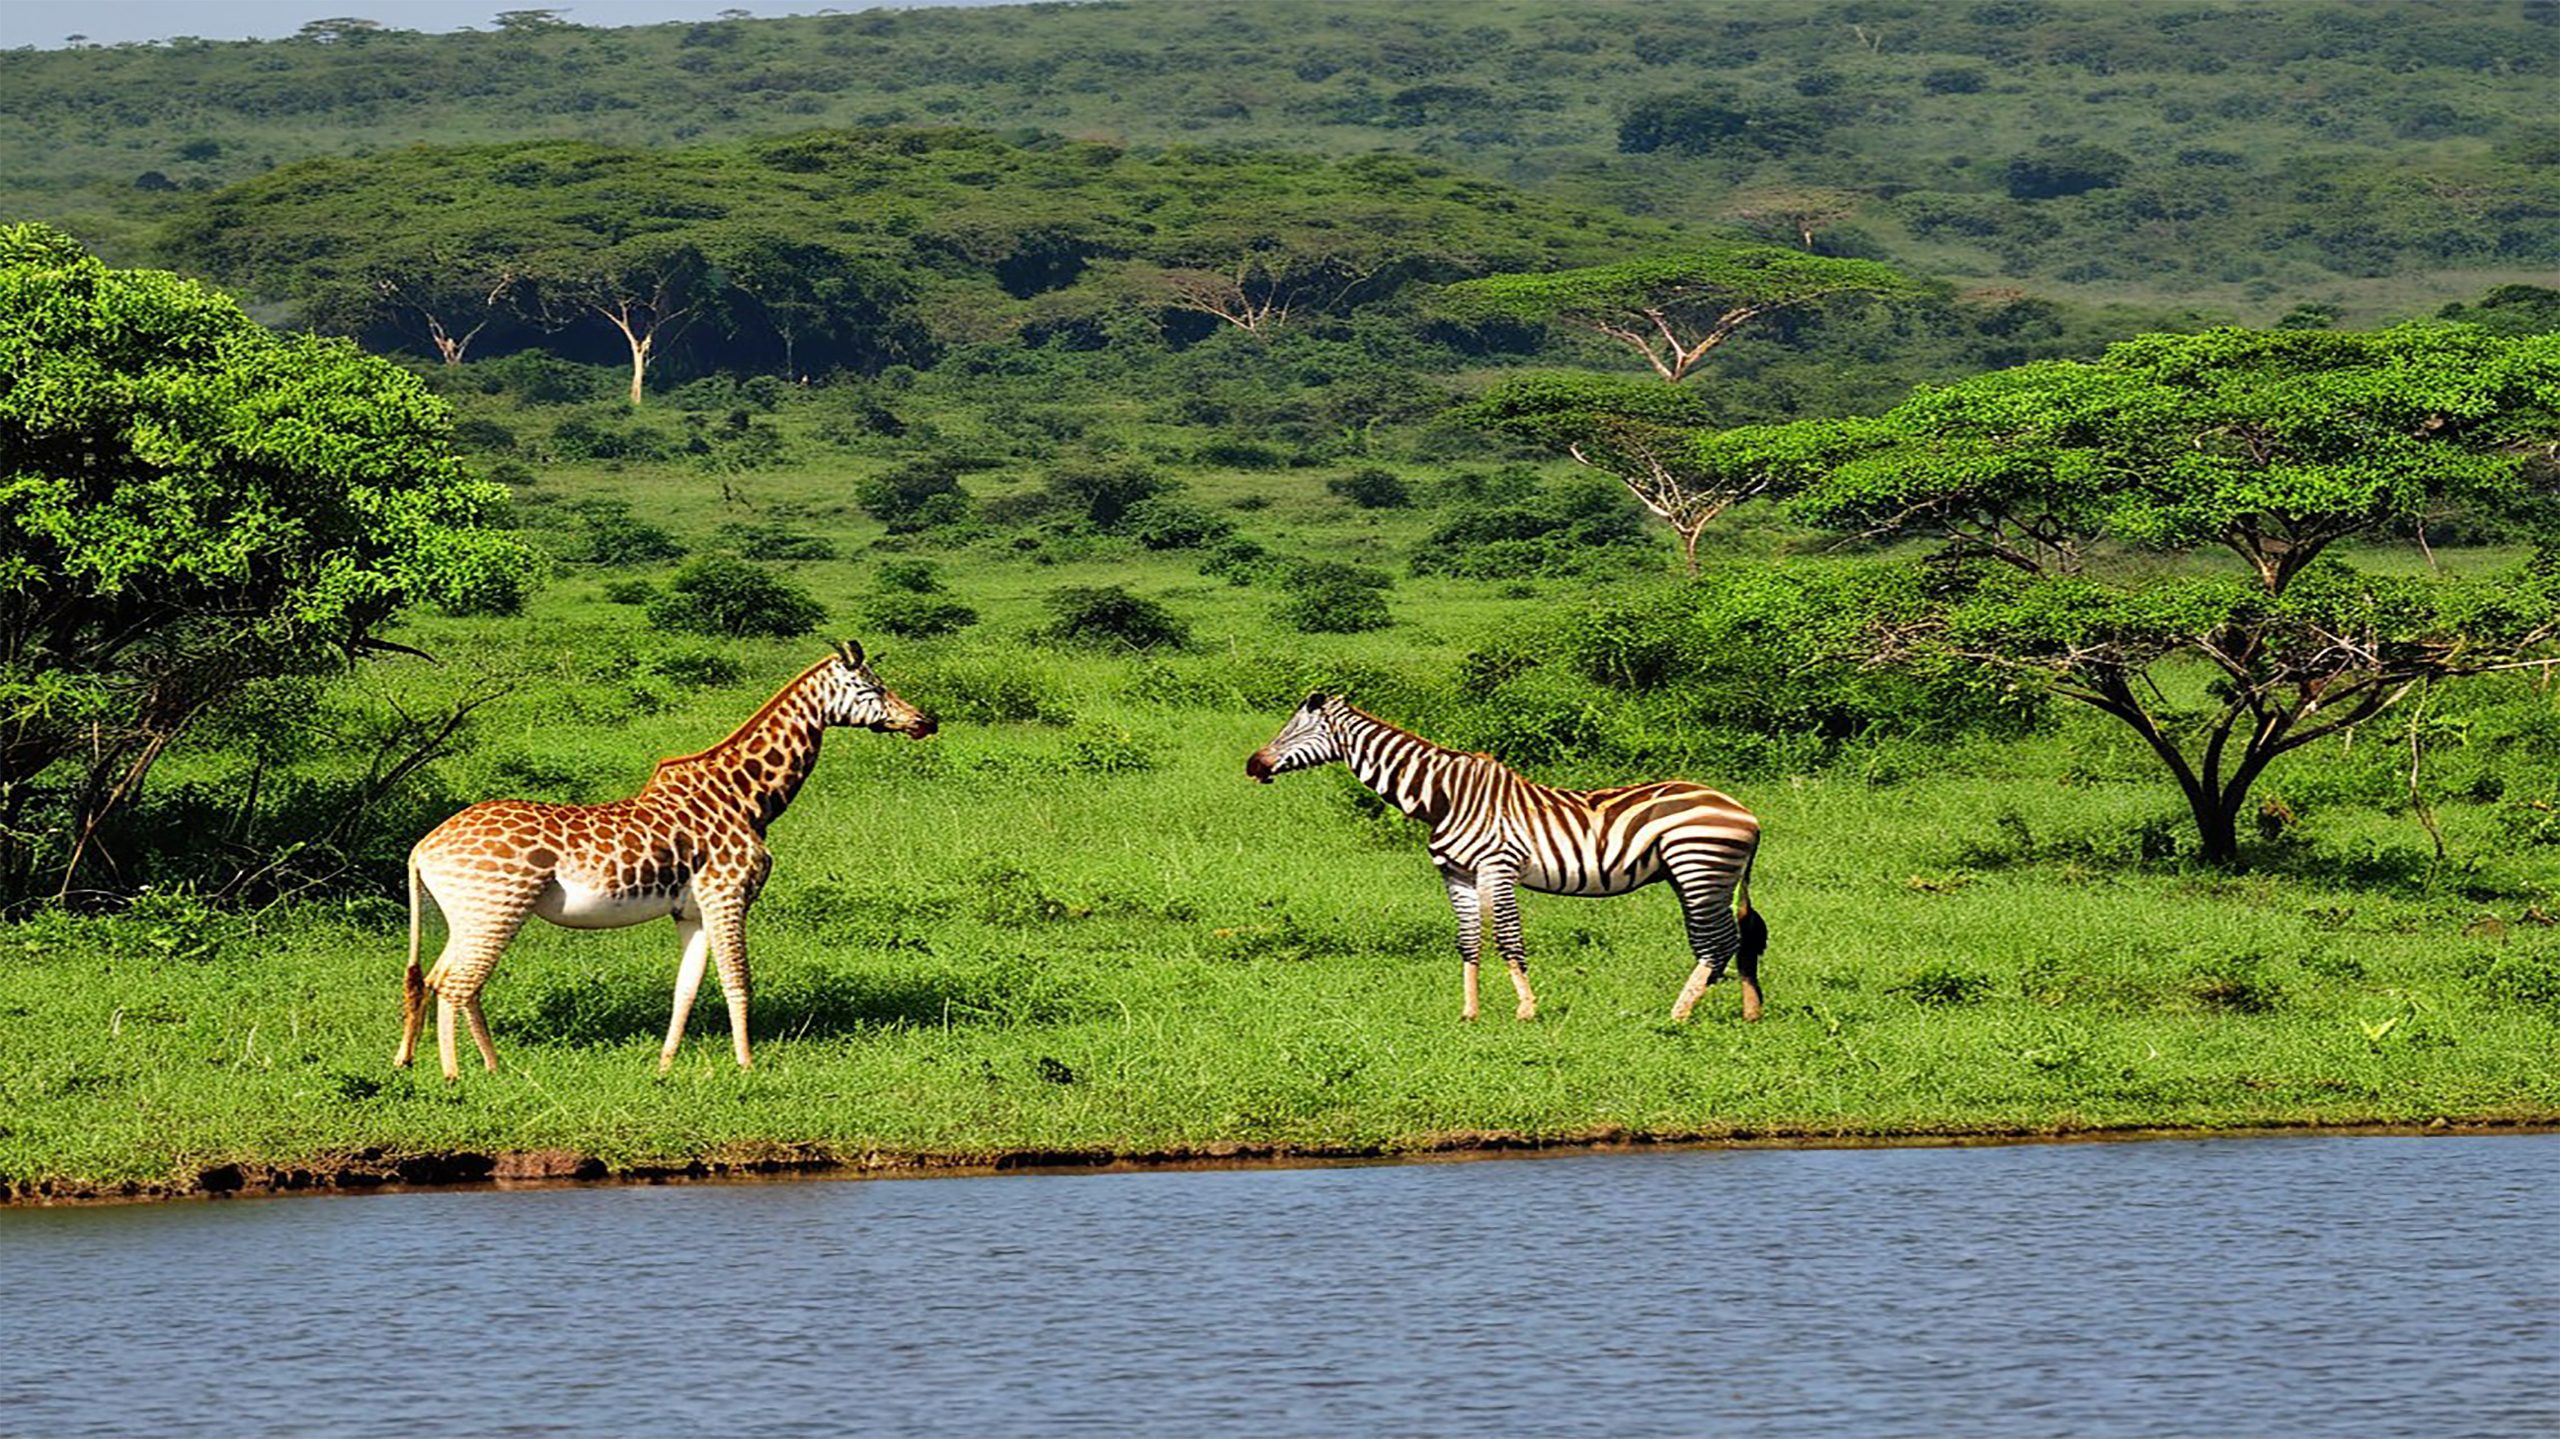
point(373, 1171)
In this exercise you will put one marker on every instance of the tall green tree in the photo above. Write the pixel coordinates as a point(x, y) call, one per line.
point(189, 504)
point(2054, 488)
point(1639, 433)
point(1674, 310)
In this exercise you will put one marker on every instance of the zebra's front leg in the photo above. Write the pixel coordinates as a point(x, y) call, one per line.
point(1462, 902)
point(1498, 892)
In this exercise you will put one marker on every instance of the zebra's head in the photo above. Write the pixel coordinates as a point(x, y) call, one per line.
point(1307, 740)
point(850, 694)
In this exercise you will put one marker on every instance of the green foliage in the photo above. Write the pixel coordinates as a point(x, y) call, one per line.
point(907, 600)
point(1372, 487)
point(609, 535)
point(194, 504)
point(919, 496)
point(1332, 597)
point(1110, 616)
point(1570, 529)
point(723, 595)
point(2276, 446)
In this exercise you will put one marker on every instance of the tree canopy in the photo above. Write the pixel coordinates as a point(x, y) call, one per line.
point(2280, 448)
point(190, 503)
point(1674, 310)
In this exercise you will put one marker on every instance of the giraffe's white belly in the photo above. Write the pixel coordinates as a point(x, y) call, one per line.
point(574, 905)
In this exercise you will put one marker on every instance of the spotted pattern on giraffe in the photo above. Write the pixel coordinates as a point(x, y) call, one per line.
point(689, 846)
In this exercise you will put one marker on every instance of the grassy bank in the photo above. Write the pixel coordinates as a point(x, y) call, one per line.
point(977, 946)
point(1069, 924)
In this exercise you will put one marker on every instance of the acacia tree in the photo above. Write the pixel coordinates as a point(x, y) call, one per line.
point(1674, 310)
point(647, 289)
point(1639, 433)
point(2277, 447)
point(190, 504)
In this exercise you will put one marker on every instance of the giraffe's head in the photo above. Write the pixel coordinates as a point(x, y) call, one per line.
point(850, 694)
point(1307, 740)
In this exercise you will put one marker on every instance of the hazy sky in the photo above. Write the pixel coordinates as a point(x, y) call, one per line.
point(46, 23)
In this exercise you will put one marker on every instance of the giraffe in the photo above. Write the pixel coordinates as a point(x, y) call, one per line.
point(690, 845)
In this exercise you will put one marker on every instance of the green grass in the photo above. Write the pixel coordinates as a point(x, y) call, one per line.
point(1070, 924)
point(988, 943)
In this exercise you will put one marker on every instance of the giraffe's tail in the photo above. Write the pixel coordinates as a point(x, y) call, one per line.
point(413, 985)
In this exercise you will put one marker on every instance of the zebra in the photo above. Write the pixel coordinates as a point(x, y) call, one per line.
point(1493, 832)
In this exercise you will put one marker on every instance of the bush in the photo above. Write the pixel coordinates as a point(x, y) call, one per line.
point(699, 669)
point(719, 595)
point(1330, 597)
point(916, 617)
point(1237, 561)
point(1372, 488)
point(2065, 170)
point(614, 539)
point(770, 541)
point(629, 592)
point(922, 496)
point(1103, 494)
point(1161, 522)
point(1108, 615)
point(1569, 530)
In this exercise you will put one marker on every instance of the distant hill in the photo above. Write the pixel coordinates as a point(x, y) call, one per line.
point(2371, 159)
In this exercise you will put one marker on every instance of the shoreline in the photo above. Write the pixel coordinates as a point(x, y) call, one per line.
point(382, 1172)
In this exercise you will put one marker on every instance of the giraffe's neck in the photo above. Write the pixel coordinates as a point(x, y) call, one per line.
point(755, 771)
point(1406, 770)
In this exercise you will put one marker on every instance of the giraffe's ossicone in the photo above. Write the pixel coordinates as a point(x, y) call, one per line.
point(689, 845)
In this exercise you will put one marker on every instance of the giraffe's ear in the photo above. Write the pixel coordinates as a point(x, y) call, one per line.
point(850, 651)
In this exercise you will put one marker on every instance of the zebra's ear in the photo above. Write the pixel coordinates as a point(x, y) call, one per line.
point(1316, 701)
point(850, 651)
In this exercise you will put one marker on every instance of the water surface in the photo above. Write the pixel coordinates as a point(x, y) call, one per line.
point(2294, 1286)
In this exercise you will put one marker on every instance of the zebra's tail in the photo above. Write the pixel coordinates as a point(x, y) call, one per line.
point(1754, 943)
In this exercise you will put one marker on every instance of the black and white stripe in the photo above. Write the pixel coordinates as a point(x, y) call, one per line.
point(1494, 833)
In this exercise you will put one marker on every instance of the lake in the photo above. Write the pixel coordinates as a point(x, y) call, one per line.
point(2264, 1286)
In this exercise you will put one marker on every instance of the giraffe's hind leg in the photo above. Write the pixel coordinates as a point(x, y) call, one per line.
point(479, 923)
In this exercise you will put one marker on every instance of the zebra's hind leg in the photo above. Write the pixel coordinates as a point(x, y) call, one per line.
point(1497, 889)
point(1717, 938)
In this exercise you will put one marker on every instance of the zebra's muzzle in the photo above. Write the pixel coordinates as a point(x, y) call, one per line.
point(1258, 765)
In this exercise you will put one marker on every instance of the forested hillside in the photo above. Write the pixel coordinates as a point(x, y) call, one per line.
point(2373, 159)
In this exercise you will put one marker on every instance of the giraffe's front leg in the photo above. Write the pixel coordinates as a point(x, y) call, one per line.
point(1498, 892)
point(727, 924)
point(1462, 902)
point(697, 950)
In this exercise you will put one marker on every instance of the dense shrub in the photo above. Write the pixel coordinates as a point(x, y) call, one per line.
point(1164, 522)
point(1572, 529)
point(607, 433)
point(1108, 615)
point(699, 669)
point(609, 536)
point(921, 496)
point(720, 595)
point(1103, 494)
point(1238, 561)
point(1331, 597)
point(908, 601)
point(1371, 488)
point(771, 541)
point(2065, 170)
